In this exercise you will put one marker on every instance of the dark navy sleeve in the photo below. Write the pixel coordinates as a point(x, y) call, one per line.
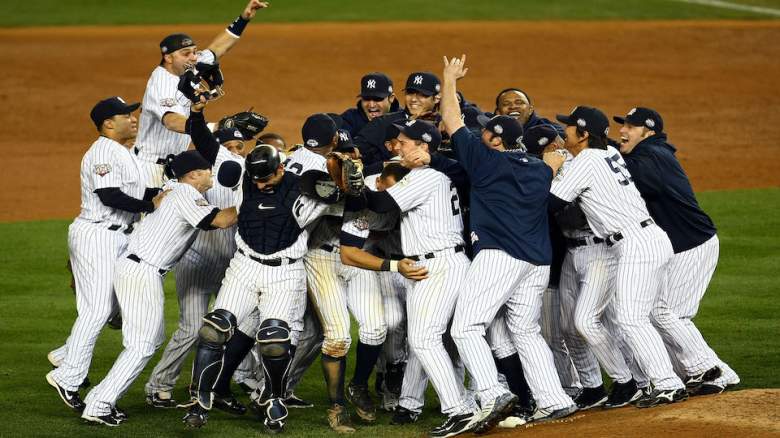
point(115, 198)
point(454, 171)
point(646, 175)
point(204, 140)
point(556, 204)
point(346, 239)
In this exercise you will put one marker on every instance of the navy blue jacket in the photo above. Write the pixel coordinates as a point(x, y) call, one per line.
point(370, 140)
point(355, 118)
point(508, 199)
point(665, 187)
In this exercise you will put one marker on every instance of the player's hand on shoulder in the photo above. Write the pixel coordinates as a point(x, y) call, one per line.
point(159, 197)
point(409, 269)
point(416, 158)
point(252, 7)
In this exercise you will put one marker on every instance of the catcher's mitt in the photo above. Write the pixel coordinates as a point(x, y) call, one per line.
point(248, 122)
point(202, 80)
point(346, 171)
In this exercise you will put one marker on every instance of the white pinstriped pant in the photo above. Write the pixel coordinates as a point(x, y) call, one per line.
point(139, 290)
point(690, 273)
point(642, 259)
point(496, 279)
point(94, 250)
point(336, 290)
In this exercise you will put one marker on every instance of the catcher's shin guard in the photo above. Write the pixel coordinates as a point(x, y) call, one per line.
point(274, 340)
point(217, 329)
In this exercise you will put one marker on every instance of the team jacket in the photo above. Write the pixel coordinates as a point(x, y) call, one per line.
point(665, 187)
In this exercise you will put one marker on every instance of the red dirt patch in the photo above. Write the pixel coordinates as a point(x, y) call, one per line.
point(754, 413)
point(715, 83)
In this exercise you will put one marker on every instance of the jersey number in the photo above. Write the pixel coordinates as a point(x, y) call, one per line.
point(297, 168)
point(618, 166)
point(297, 206)
point(455, 200)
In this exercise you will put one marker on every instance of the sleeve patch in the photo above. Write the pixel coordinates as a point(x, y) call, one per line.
point(168, 102)
point(102, 169)
point(361, 223)
point(201, 202)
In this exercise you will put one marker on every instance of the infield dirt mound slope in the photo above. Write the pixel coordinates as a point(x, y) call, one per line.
point(748, 413)
point(715, 83)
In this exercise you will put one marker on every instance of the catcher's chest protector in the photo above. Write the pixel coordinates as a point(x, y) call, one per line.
point(265, 219)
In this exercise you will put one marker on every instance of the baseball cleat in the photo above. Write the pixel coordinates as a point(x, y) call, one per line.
point(338, 419)
point(404, 416)
point(161, 399)
point(622, 394)
point(456, 425)
point(591, 398)
point(119, 413)
point(495, 411)
point(543, 415)
point(293, 401)
point(196, 417)
point(274, 412)
point(706, 389)
point(228, 403)
point(662, 396)
point(249, 385)
point(691, 382)
point(360, 398)
point(70, 398)
point(106, 420)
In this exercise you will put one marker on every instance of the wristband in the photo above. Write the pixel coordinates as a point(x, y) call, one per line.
point(237, 26)
point(385, 265)
point(394, 266)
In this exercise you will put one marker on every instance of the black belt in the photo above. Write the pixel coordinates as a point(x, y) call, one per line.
point(127, 230)
point(329, 248)
point(617, 237)
point(431, 255)
point(575, 243)
point(269, 262)
point(160, 161)
point(137, 259)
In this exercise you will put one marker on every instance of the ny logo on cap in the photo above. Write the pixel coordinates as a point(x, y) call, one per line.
point(343, 136)
point(498, 129)
point(371, 83)
point(237, 134)
point(418, 80)
point(410, 122)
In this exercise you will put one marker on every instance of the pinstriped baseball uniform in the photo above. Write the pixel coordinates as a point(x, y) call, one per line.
point(94, 249)
point(199, 274)
point(552, 332)
point(155, 141)
point(613, 205)
point(431, 228)
point(154, 247)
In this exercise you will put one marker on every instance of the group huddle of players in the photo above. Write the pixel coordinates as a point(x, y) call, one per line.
point(531, 254)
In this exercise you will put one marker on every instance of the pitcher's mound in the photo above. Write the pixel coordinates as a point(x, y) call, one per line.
point(753, 413)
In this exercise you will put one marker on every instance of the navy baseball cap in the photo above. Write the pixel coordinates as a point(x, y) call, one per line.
point(376, 85)
point(641, 116)
point(175, 42)
point(344, 141)
point(228, 134)
point(421, 131)
point(539, 137)
point(423, 82)
point(318, 130)
point(188, 161)
point(588, 119)
point(107, 108)
point(506, 127)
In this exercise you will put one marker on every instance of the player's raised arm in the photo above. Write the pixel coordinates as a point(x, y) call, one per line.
point(454, 69)
point(227, 39)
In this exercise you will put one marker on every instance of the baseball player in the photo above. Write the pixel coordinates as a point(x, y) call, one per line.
point(615, 211)
point(200, 271)
point(112, 197)
point(376, 99)
point(154, 247)
point(670, 200)
point(164, 109)
point(266, 273)
point(517, 103)
point(431, 234)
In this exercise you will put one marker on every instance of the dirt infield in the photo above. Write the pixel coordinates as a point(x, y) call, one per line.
point(753, 413)
point(715, 83)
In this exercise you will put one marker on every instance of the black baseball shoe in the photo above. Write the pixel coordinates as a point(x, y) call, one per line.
point(456, 425)
point(706, 389)
point(70, 398)
point(106, 420)
point(692, 382)
point(228, 403)
point(622, 394)
point(161, 400)
point(591, 398)
point(404, 416)
point(662, 396)
point(495, 411)
point(273, 413)
point(543, 415)
point(360, 398)
point(293, 401)
point(196, 416)
point(119, 413)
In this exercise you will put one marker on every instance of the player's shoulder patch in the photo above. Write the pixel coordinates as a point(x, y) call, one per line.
point(102, 169)
point(168, 102)
point(361, 223)
point(201, 202)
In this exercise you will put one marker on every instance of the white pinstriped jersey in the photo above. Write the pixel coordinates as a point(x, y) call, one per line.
point(163, 236)
point(303, 159)
point(162, 96)
point(430, 213)
point(585, 231)
point(108, 164)
point(605, 188)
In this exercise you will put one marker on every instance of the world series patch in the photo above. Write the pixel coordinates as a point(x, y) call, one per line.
point(102, 169)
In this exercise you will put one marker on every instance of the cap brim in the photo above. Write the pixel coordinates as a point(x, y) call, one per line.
point(132, 107)
point(621, 120)
point(400, 128)
point(420, 90)
point(565, 119)
point(483, 120)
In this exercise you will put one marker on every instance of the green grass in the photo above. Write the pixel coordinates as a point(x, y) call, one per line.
point(738, 316)
point(102, 12)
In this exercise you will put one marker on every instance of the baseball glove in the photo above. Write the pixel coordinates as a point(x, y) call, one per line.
point(346, 171)
point(248, 122)
point(202, 80)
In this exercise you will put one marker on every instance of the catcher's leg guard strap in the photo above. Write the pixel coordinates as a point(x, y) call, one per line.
point(275, 350)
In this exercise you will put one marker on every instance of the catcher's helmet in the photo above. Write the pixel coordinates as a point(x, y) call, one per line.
point(262, 162)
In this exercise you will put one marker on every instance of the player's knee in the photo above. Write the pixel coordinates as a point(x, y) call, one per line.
point(585, 325)
point(337, 347)
point(218, 326)
point(373, 335)
point(424, 340)
point(273, 337)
